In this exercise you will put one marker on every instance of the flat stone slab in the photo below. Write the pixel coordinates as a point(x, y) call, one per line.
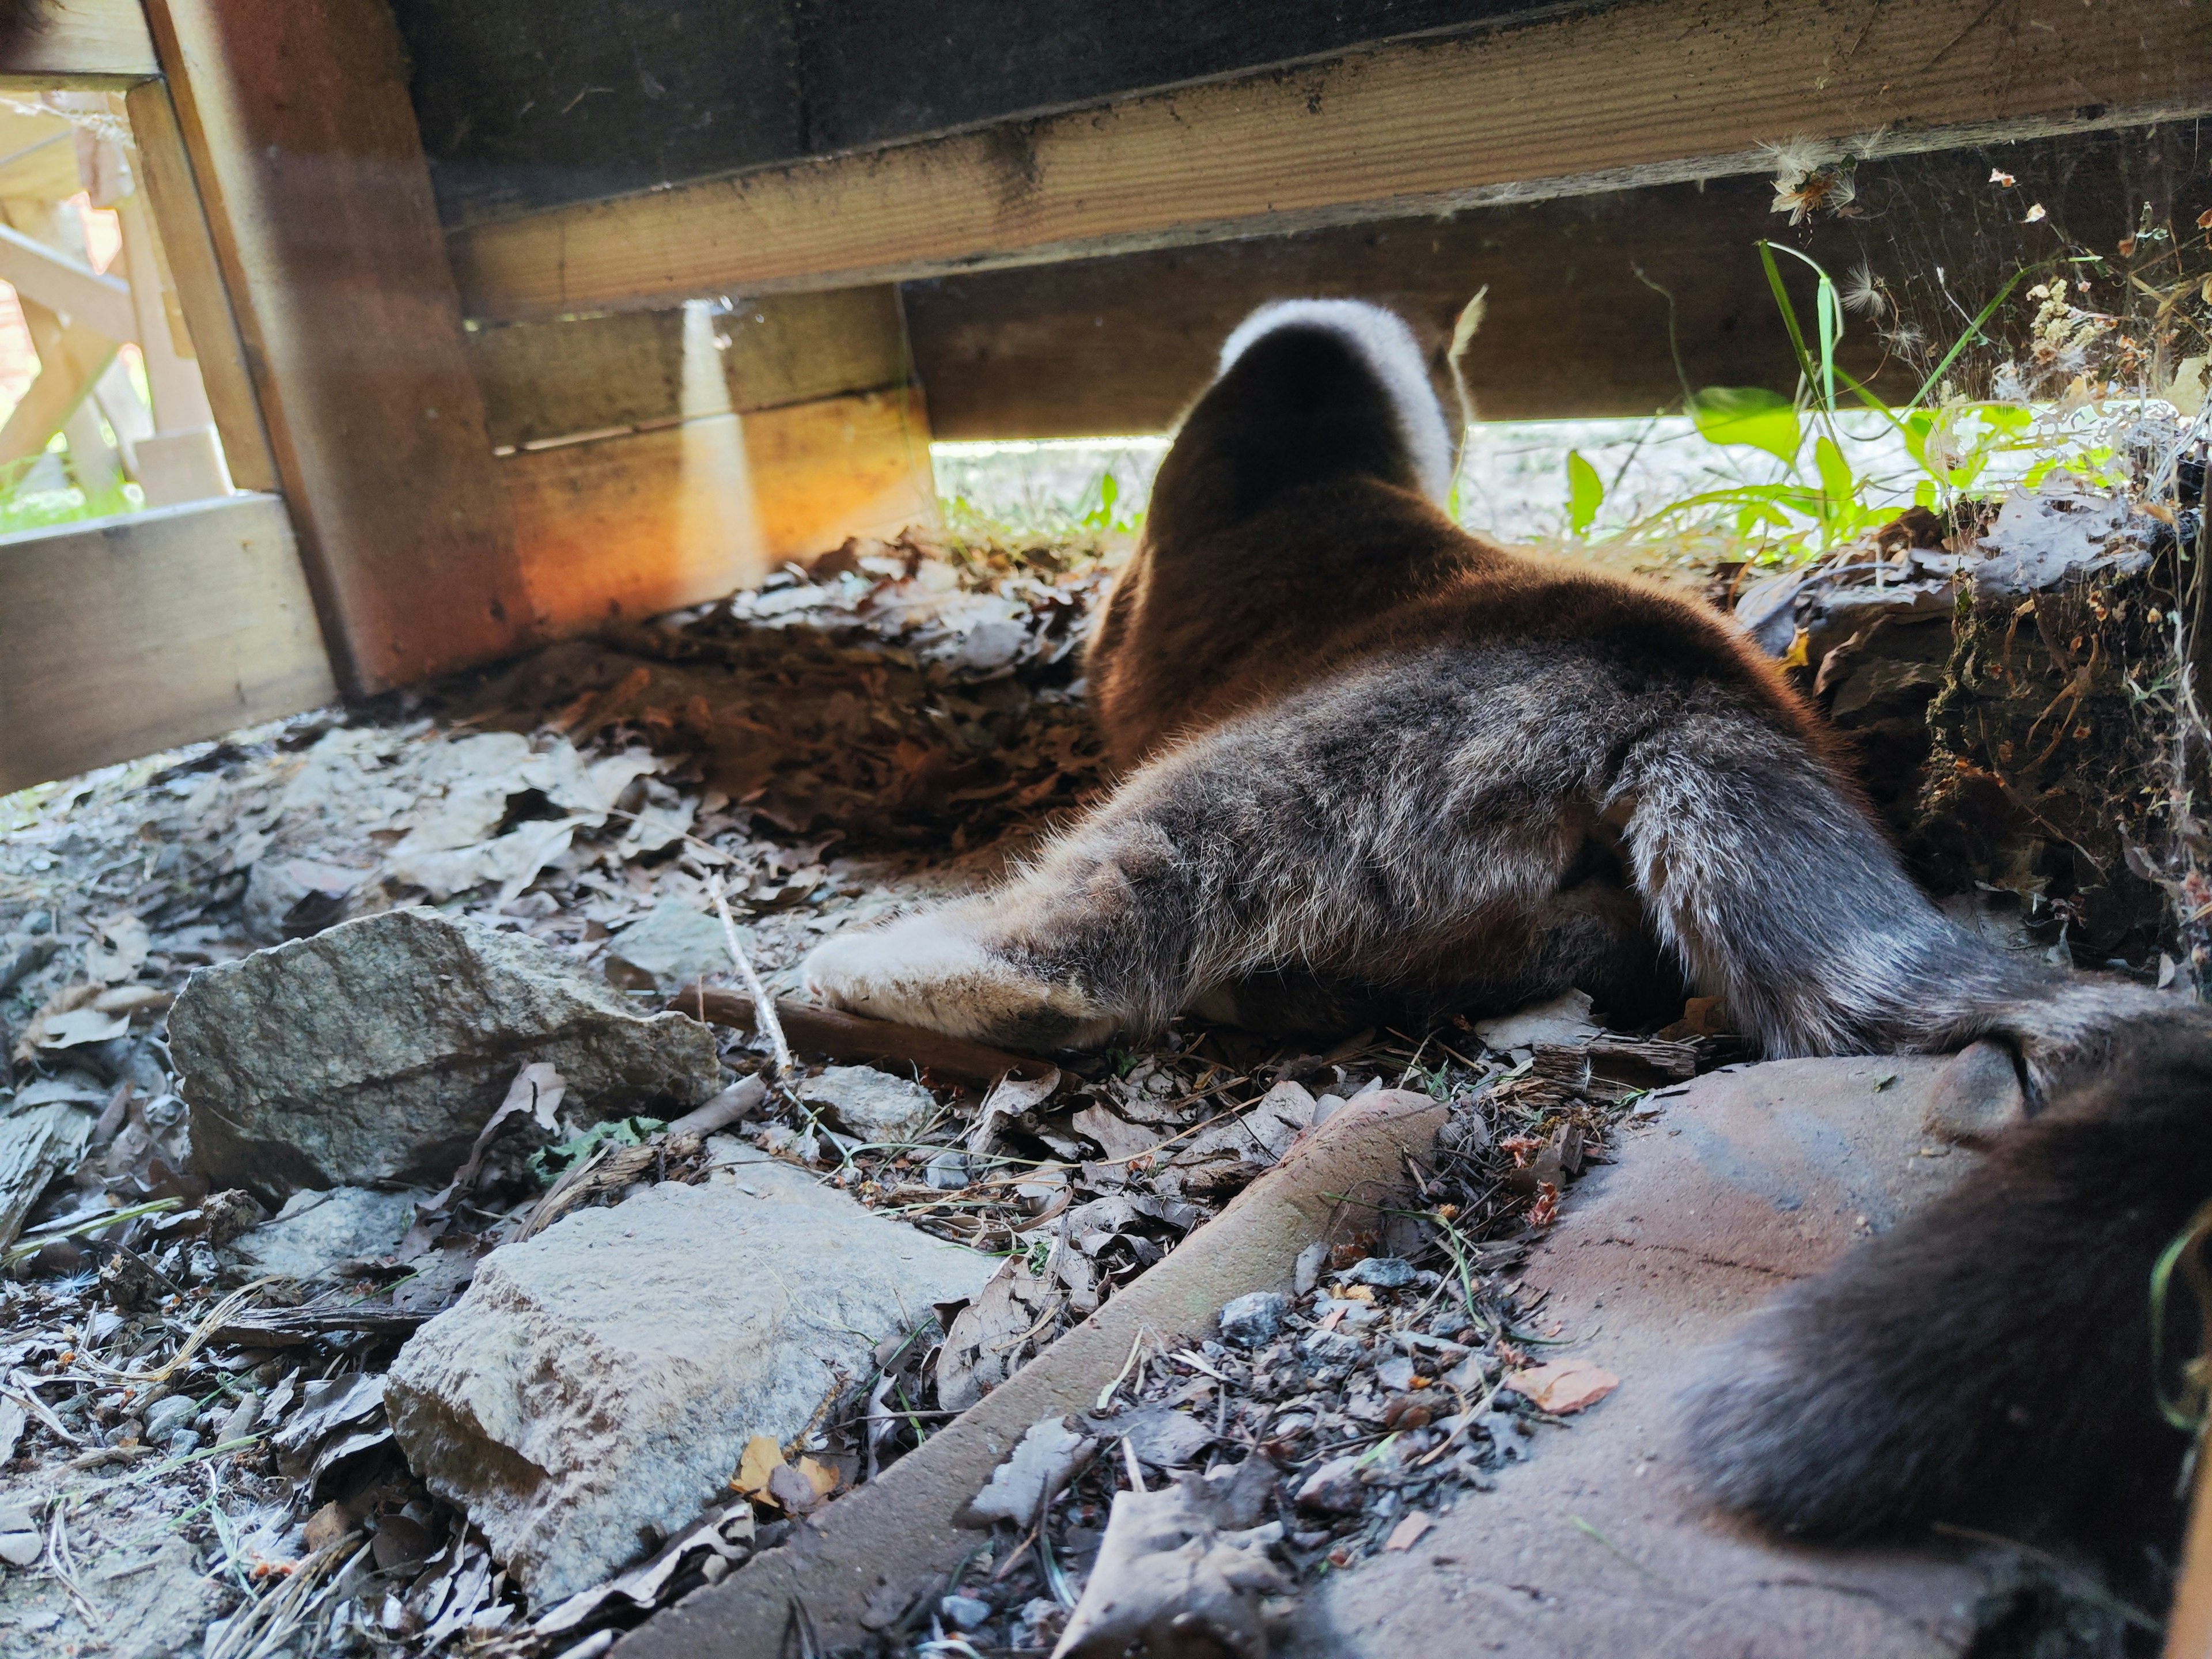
point(315, 1230)
point(1596, 1545)
point(593, 1389)
point(373, 1052)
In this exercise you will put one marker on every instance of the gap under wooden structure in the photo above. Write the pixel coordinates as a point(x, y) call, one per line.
point(1598, 304)
point(501, 402)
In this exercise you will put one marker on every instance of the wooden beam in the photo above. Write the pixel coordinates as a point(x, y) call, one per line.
point(623, 369)
point(1580, 287)
point(1646, 91)
point(186, 249)
point(304, 146)
point(55, 280)
point(127, 635)
point(71, 358)
point(630, 525)
point(92, 44)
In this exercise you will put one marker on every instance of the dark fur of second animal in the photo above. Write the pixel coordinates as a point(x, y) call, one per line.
point(1378, 765)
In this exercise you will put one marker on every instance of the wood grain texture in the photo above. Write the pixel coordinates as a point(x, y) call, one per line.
point(1577, 325)
point(630, 525)
point(296, 116)
point(1642, 92)
point(533, 103)
point(555, 379)
point(187, 247)
point(86, 43)
point(128, 635)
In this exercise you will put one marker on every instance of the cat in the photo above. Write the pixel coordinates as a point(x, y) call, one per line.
point(1375, 767)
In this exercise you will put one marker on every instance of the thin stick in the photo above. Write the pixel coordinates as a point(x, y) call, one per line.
point(764, 1004)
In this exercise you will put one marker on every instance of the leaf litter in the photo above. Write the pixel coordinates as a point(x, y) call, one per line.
point(883, 731)
point(817, 749)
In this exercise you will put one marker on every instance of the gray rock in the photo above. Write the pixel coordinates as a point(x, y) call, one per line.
point(1252, 1320)
point(1564, 1019)
point(375, 1051)
point(602, 1378)
point(872, 1104)
point(961, 1612)
point(1384, 1273)
point(165, 1417)
point(673, 943)
point(22, 1549)
point(315, 1230)
point(1334, 1488)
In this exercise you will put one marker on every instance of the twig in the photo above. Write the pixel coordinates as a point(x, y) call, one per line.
point(764, 1004)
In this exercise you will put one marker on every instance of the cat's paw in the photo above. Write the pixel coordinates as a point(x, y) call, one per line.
point(930, 971)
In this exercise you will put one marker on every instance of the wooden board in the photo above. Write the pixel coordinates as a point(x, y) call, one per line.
point(625, 369)
point(62, 283)
point(533, 103)
point(85, 43)
point(295, 113)
point(1577, 325)
point(188, 249)
point(1646, 91)
point(128, 635)
point(631, 525)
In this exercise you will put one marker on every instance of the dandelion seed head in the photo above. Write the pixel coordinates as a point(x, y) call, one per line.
point(1863, 294)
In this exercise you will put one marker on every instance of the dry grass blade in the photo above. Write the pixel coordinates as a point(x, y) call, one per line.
point(764, 1004)
point(201, 1335)
point(267, 1628)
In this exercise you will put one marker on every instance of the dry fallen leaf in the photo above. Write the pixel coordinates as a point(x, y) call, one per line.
point(1564, 1387)
point(763, 1457)
point(1407, 1532)
point(82, 1025)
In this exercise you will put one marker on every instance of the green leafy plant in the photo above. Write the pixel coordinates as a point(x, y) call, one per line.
point(1821, 501)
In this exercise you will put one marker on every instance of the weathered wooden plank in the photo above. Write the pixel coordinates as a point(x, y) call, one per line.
point(533, 103)
point(187, 249)
point(1577, 317)
point(1642, 92)
point(523, 102)
point(622, 369)
point(630, 525)
point(87, 43)
point(54, 279)
point(71, 357)
point(127, 635)
point(295, 113)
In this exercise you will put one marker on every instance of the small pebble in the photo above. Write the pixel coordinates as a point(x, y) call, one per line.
point(1252, 1320)
point(21, 1549)
point(964, 1611)
point(1384, 1273)
point(165, 1417)
point(1334, 1488)
point(183, 1443)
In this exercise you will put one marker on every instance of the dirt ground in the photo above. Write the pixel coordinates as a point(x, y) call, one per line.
point(195, 1453)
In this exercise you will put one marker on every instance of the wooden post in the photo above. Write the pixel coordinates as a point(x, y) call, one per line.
point(192, 276)
point(296, 118)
